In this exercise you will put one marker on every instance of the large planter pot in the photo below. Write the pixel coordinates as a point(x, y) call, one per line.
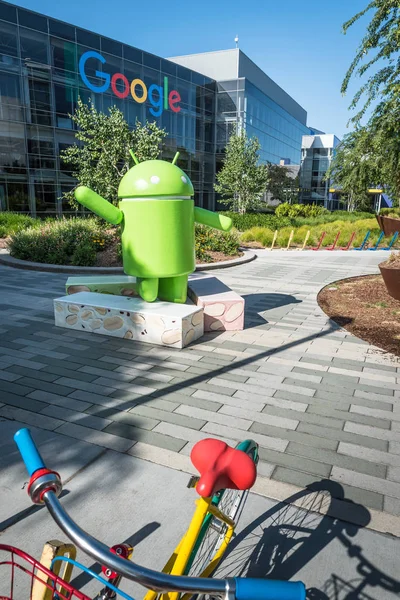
point(388, 225)
point(391, 277)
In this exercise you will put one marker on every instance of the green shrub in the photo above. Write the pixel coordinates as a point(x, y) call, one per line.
point(299, 210)
point(249, 220)
point(12, 222)
point(390, 212)
point(211, 240)
point(84, 255)
point(61, 242)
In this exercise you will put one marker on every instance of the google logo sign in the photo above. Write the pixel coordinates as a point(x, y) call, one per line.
point(158, 96)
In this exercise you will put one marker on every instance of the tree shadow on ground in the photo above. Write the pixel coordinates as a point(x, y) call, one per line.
point(281, 541)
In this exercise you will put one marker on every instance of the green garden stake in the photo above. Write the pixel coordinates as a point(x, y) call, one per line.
point(157, 215)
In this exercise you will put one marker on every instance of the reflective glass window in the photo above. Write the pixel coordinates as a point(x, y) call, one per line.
point(149, 60)
point(168, 67)
point(32, 20)
point(63, 56)
point(34, 46)
point(111, 47)
point(39, 93)
point(8, 13)
point(10, 97)
point(8, 40)
point(45, 197)
point(87, 39)
point(12, 147)
point(133, 54)
point(17, 197)
point(62, 30)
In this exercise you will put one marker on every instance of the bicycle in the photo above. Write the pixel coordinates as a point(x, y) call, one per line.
point(226, 475)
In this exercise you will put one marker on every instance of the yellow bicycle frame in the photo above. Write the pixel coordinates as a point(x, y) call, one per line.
point(179, 559)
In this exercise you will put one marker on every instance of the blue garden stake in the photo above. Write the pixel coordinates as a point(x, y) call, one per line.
point(377, 243)
point(364, 242)
point(392, 241)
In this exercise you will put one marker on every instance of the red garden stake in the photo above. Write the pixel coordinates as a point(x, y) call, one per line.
point(321, 239)
point(334, 243)
point(353, 235)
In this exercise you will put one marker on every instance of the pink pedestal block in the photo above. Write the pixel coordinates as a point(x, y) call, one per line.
point(223, 308)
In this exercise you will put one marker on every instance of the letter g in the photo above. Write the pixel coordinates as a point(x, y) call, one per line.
point(104, 76)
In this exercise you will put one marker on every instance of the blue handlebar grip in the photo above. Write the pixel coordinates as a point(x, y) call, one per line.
point(267, 589)
point(29, 452)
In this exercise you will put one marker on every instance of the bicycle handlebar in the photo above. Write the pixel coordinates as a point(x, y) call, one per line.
point(29, 452)
point(239, 589)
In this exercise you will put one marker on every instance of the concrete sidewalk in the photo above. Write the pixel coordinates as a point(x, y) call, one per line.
point(321, 403)
point(108, 494)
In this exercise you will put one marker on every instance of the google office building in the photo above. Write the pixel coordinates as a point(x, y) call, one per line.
point(46, 64)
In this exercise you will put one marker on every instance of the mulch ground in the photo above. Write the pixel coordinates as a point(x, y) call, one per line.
point(362, 306)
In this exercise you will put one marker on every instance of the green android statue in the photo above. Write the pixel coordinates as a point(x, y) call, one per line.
point(157, 214)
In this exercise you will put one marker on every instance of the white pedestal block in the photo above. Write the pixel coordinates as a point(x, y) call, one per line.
point(120, 285)
point(162, 323)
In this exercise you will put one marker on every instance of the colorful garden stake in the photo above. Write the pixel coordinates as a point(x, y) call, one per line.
point(353, 235)
point(290, 239)
point(274, 239)
point(364, 241)
point(334, 243)
point(392, 241)
point(321, 239)
point(305, 240)
point(377, 243)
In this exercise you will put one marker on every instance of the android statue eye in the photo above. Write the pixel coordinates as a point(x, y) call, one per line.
point(184, 179)
point(155, 179)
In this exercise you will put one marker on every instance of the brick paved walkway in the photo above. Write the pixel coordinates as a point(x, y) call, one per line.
point(321, 403)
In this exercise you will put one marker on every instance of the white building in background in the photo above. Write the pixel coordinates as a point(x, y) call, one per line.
point(317, 152)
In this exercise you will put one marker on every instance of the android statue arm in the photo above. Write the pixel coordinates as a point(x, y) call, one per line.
point(98, 205)
point(212, 219)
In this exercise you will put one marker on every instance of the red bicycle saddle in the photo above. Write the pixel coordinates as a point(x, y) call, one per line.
point(221, 466)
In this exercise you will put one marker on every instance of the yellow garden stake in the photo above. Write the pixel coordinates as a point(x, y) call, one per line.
point(305, 240)
point(274, 239)
point(290, 239)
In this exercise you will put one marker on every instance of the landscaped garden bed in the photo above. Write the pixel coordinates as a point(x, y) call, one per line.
point(91, 242)
point(258, 230)
point(363, 306)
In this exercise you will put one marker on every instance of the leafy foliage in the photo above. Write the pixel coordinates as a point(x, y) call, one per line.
point(379, 46)
point(390, 212)
point(356, 167)
point(300, 210)
point(375, 146)
point(211, 240)
point(281, 184)
point(12, 222)
point(102, 157)
point(73, 241)
point(242, 181)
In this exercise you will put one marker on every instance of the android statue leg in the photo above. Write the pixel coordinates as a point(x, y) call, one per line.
point(147, 288)
point(173, 289)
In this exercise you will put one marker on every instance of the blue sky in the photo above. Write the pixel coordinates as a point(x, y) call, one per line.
point(299, 44)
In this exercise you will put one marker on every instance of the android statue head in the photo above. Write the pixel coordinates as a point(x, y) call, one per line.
point(155, 178)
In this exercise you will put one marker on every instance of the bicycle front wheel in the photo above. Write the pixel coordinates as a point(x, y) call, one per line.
point(231, 503)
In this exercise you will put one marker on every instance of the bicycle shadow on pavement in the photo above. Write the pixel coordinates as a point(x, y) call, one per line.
point(282, 541)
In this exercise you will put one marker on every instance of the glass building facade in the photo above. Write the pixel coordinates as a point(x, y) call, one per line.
point(40, 82)
point(241, 104)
